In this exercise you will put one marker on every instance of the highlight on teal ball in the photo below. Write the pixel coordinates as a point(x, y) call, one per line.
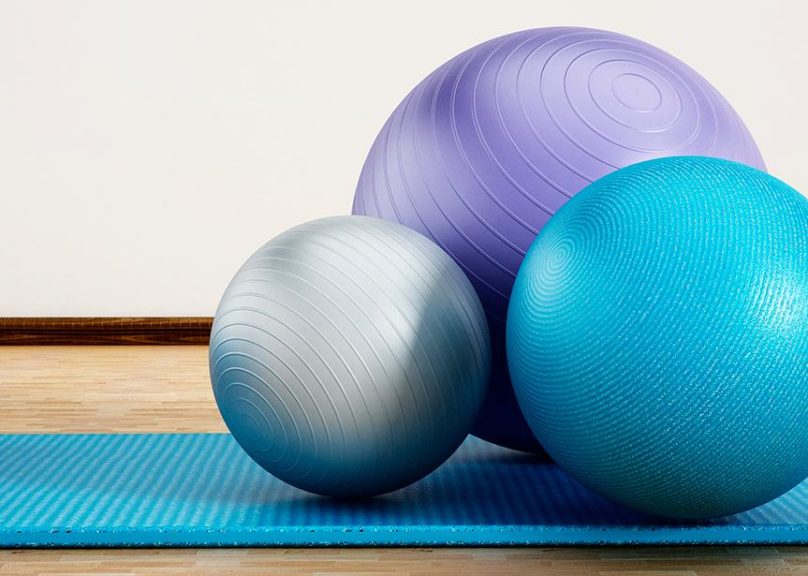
point(658, 337)
point(349, 356)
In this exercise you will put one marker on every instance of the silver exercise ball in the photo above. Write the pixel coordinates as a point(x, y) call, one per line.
point(349, 356)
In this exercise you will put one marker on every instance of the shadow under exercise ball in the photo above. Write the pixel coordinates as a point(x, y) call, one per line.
point(349, 356)
point(483, 152)
point(658, 337)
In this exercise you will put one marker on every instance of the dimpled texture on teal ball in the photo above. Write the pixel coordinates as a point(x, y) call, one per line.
point(658, 337)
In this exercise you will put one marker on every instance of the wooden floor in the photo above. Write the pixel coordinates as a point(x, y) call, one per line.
point(106, 389)
point(166, 389)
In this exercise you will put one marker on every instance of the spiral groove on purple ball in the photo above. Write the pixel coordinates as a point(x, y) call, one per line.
point(483, 152)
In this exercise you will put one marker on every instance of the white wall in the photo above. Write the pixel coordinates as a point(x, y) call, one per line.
point(148, 147)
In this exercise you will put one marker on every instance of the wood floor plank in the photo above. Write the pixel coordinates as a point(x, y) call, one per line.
point(71, 389)
point(656, 561)
point(106, 389)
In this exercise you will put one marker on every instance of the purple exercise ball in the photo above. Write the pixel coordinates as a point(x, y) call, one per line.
point(483, 152)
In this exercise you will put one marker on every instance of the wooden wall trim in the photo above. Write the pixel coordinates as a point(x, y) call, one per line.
point(105, 330)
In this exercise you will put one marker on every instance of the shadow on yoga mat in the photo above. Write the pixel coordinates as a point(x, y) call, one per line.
point(202, 490)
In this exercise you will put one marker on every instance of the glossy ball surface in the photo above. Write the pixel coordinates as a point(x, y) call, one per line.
point(658, 337)
point(349, 356)
point(483, 152)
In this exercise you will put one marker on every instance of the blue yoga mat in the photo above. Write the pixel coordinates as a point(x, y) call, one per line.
point(202, 490)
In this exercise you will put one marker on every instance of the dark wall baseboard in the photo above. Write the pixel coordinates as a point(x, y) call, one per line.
point(105, 330)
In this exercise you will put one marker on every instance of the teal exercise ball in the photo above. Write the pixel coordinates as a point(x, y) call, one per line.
point(349, 356)
point(658, 337)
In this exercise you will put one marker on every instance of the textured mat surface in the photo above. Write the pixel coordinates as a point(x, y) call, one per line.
point(202, 490)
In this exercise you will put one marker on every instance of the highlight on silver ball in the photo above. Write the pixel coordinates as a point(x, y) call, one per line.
point(349, 356)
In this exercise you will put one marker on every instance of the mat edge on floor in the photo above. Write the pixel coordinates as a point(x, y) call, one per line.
point(391, 536)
